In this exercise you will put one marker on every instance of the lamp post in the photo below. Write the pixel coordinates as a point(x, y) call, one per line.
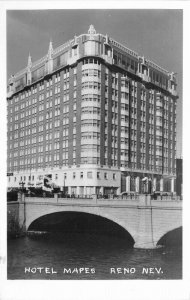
point(22, 183)
point(111, 193)
point(149, 186)
point(145, 181)
point(64, 186)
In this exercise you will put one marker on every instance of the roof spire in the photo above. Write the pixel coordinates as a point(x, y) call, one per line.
point(107, 39)
point(91, 30)
point(29, 61)
point(50, 50)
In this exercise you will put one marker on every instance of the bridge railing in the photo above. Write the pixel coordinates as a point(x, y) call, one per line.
point(81, 201)
point(74, 196)
point(140, 201)
point(136, 199)
point(99, 198)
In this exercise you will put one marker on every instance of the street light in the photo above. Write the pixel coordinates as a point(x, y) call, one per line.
point(64, 186)
point(150, 186)
point(145, 180)
point(22, 183)
point(112, 190)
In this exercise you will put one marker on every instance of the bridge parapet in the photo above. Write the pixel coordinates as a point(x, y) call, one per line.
point(142, 201)
point(82, 201)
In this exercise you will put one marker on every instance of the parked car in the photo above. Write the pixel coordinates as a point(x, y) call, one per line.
point(128, 194)
point(157, 194)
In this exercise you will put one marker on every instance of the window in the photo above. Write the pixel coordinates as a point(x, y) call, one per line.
point(57, 101)
point(114, 176)
point(89, 174)
point(57, 89)
point(74, 175)
point(105, 176)
point(57, 77)
point(57, 123)
point(81, 174)
point(98, 175)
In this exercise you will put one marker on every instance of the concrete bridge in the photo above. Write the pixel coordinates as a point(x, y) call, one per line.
point(146, 220)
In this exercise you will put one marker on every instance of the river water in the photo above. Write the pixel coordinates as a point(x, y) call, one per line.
point(89, 256)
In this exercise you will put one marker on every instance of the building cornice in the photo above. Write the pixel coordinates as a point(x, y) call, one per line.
point(46, 62)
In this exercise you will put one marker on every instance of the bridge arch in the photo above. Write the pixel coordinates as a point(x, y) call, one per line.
point(172, 236)
point(100, 217)
point(146, 224)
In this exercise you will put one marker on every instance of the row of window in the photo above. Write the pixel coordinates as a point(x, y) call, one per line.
point(89, 175)
point(156, 165)
point(91, 85)
point(87, 148)
point(91, 72)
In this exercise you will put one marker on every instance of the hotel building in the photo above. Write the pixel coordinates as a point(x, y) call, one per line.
point(93, 116)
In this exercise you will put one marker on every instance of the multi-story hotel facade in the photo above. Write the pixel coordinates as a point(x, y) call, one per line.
point(95, 117)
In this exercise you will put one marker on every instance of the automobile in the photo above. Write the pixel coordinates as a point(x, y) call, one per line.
point(156, 194)
point(160, 193)
point(130, 194)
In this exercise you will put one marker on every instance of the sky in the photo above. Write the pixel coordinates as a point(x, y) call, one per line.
point(156, 34)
